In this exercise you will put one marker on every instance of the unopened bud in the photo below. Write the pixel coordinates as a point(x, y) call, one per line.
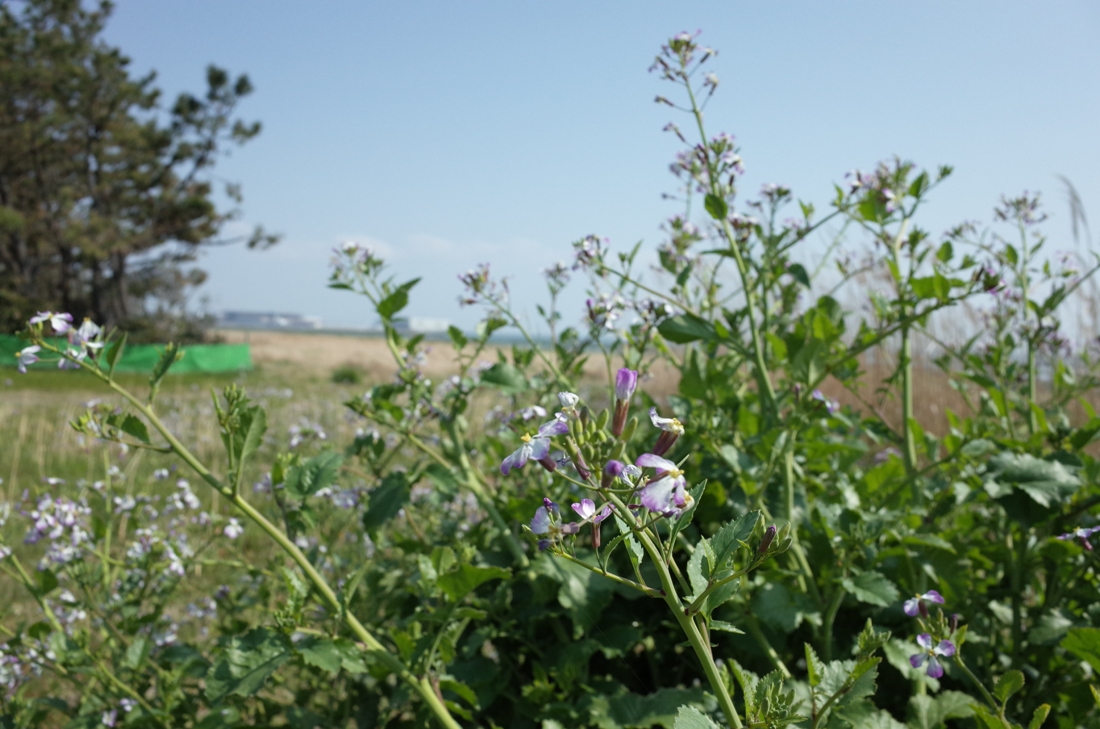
point(548, 463)
point(602, 418)
point(769, 535)
point(629, 429)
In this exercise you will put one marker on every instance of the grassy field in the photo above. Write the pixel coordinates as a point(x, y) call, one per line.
point(293, 381)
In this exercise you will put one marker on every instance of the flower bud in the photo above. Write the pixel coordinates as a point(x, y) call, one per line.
point(629, 429)
point(769, 536)
point(611, 471)
point(625, 384)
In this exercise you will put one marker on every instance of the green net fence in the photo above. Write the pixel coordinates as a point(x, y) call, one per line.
point(197, 358)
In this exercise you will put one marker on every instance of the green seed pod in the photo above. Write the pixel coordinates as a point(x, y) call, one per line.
point(619, 451)
point(628, 430)
point(601, 436)
point(602, 418)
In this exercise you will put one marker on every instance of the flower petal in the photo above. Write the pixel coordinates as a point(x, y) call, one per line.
point(540, 524)
point(557, 426)
point(912, 607)
point(657, 495)
point(648, 460)
point(933, 596)
point(935, 670)
point(516, 460)
point(917, 659)
point(924, 640)
point(585, 509)
point(945, 648)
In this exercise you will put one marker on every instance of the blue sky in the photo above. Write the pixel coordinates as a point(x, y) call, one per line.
point(451, 133)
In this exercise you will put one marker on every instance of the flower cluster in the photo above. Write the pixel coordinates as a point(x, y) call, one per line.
point(931, 649)
point(81, 340)
point(663, 493)
point(63, 523)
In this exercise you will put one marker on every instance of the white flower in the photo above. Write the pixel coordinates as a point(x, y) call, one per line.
point(233, 529)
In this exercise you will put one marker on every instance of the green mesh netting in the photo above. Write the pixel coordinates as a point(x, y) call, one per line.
point(204, 358)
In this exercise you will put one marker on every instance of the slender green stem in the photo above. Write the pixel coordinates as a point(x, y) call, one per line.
point(974, 679)
point(612, 576)
point(698, 644)
point(476, 485)
point(830, 618)
point(422, 685)
point(753, 624)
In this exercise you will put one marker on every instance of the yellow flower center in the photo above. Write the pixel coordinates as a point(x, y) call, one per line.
point(526, 437)
point(675, 473)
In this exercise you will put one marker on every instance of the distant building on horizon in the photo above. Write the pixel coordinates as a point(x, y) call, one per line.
point(420, 325)
point(267, 320)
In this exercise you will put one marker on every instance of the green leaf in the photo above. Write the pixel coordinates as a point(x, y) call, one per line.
point(396, 301)
point(1084, 435)
point(1085, 644)
point(168, 357)
point(136, 653)
point(716, 206)
point(798, 273)
point(684, 328)
point(814, 667)
point(930, 712)
point(386, 500)
point(132, 425)
point(872, 588)
point(723, 626)
point(697, 571)
point(464, 580)
point(507, 377)
point(246, 662)
point(458, 338)
point(320, 652)
point(729, 538)
point(1046, 482)
point(1039, 716)
point(313, 474)
point(114, 353)
point(255, 428)
point(1008, 684)
point(688, 717)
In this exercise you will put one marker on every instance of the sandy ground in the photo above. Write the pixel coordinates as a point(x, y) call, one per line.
point(322, 353)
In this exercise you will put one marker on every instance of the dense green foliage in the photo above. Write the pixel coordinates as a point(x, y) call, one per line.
point(794, 563)
point(105, 196)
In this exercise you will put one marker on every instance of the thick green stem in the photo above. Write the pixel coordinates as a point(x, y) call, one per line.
point(687, 624)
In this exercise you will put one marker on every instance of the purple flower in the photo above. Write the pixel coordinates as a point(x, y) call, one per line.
point(61, 323)
point(625, 384)
point(666, 493)
point(547, 524)
point(830, 405)
point(27, 356)
point(916, 605)
point(586, 510)
point(626, 381)
point(1083, 534)
point(536, 447)
point(931, 653)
